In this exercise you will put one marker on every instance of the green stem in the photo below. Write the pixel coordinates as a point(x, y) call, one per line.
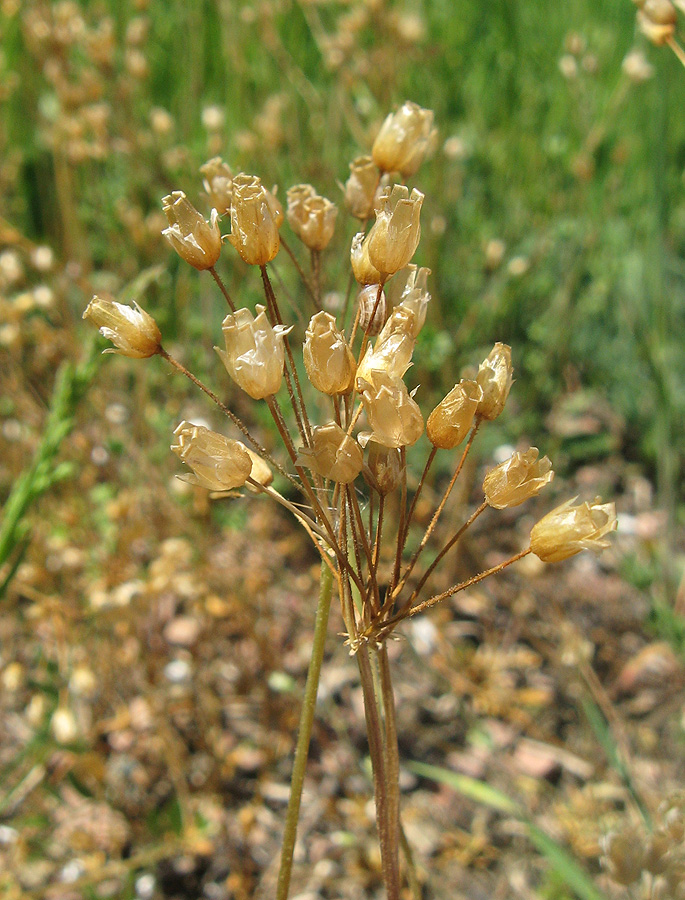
point(304, 733)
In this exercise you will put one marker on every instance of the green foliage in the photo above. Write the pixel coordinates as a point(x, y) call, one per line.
point(564, 867)
point(608, 743)
point(45, 469)
point(668, 625)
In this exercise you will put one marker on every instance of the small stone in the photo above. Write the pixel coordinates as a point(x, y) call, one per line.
point(535, 760)
point(182, 631)
point(145, 886)
point(8, 835)
point(248, 759)
point(178, 671)
point(654, 666)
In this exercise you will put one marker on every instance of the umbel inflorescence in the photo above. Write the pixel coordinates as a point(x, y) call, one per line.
point(346, 464)
point(372, 416)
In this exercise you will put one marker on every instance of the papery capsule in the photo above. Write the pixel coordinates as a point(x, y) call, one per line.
point(659, 843)
point(409, 288)
point(218, 463)
point(372, 309)
point(328, 360)
point(636, 67)
point(333, 454)
point(362, 268)
point(383, 469)
point(254, 355)
point(393, 350)
point(568, 529)
point(521, 476)
point(218, 182)
point(255, 219)
point(657, 20)
point(261, 472)
point(361, 187)
point(394, 416)
point(406, 137)
point(133, 332)
point(624, 855)
point(452, 418)
point(394, 236)
point(195, 239)
point(311, 216)
point(495, 376)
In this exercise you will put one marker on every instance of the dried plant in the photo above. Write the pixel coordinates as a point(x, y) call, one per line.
point(650, 862)
point(658, 21)
point(344, 474)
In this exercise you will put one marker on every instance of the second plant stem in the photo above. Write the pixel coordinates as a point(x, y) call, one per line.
point(379, 710)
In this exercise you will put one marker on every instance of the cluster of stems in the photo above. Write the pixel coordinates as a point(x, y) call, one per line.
point(343, 474)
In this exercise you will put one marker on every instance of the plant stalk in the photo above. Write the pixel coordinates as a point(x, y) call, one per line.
point(304, 733)
point(385, 781)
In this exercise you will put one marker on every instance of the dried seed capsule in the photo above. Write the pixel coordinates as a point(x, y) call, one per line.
point(333, 454)
point(384, 468)
point(255, 219)
point(361, 187)
point(328, 360)
point(393, 350)
point(409, 289)
point(218, 183)
point(254, 355)
point(406, 137)
point(624, 853)
point(362, 268)
point(394, 416)
point(195, 239)
point(673, 815)
point(657, 852)
point(657, 20)
point(517, 479)
point(636, 67)
point(133, 332)
point(452, 418)
point(261, 471)
point(394, 236)
point(372, 310)
point(311, 217)
point(569, 529)
point(495, 377)
point(218, 463)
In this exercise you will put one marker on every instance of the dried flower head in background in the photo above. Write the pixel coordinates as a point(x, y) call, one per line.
point(218, 183)
point(405, 139)
point(311, 216)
